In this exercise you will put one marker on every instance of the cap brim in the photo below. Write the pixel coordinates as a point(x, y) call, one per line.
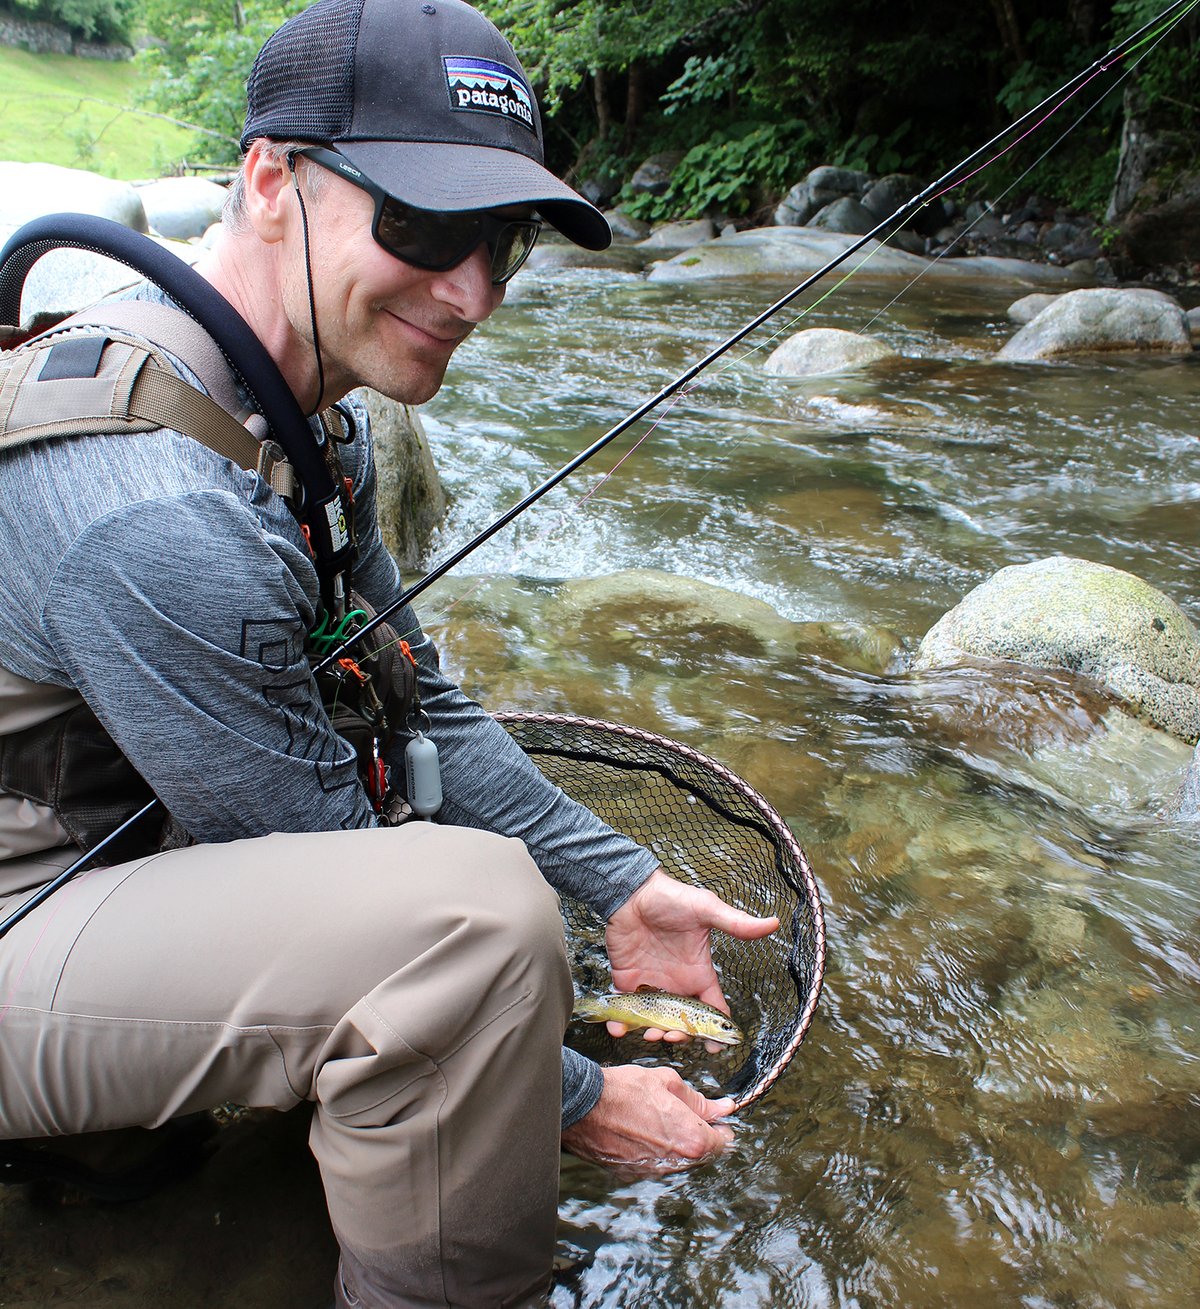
point(449, 177)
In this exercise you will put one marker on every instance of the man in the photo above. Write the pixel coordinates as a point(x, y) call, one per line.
point(408, 980)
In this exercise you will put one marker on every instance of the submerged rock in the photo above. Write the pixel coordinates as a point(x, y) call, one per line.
point(1100, 622)
point(798, 251)
point(666, 605)
point(1187, 803)
point(821, 350)
point(1102, 318)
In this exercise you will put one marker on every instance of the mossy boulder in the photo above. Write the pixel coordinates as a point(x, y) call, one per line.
point(1099, 622)
point(410, 498)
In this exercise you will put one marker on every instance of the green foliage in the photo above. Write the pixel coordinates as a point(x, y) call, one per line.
point(198, 72)
point(705, 79)
point(753, 92)
point(1168, 70)
point(105, 20)
point(874, 154)
point(731, 172)
point(561, 42)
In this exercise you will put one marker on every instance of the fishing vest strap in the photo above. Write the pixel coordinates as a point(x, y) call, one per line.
point(86, 378)
point(71, 765)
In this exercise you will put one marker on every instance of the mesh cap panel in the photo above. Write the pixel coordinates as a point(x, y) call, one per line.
point(304, 87)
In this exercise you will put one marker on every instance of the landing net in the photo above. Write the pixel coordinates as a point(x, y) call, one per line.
point(711, 829)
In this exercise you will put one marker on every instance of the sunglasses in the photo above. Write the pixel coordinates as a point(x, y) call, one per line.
point(431, 239)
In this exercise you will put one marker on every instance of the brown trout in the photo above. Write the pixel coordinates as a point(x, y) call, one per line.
point(647, 1007)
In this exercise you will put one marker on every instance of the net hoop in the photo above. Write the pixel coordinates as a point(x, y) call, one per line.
point(799, 876)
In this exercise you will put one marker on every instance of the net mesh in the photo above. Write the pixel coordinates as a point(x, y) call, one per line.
point(710, 829)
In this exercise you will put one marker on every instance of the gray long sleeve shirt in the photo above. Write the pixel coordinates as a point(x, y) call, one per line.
point(173, 590)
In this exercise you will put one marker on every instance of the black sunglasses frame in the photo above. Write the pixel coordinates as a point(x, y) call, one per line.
point(480, 226)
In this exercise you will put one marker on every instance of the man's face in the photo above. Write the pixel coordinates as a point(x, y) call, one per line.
point(382, 322)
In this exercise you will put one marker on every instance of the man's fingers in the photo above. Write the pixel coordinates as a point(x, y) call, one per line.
point(745, 927)
point(712, 1110)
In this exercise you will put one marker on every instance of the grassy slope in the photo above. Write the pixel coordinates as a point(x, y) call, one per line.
point(56, 109)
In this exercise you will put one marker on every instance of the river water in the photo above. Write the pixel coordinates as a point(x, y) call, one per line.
point(997, 1103)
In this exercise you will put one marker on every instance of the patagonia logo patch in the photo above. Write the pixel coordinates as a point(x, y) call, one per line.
point(484, 86)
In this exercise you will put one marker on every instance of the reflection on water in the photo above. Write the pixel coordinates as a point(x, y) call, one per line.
point(997, 1102)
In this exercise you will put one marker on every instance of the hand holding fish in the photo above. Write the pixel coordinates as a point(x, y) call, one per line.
point(647, 1121)
point(660, 937)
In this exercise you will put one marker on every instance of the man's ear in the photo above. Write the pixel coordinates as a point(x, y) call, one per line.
point(268, 181)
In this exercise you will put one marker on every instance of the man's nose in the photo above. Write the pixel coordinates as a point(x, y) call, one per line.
point(467, 287)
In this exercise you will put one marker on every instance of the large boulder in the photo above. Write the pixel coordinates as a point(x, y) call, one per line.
point(1090, 619)
point(821, 350)
point(65, 281)
point(890, 193)
point(681, 235)
point(409, 494)
point(653, 175)
point(28, 191)
point(182, 207)
point(832, 181)
point(798, 251)
point(823, 186)
point(1167, 231)
point(625, 227)
point(796, 208)
point(846, 215)
point(1027, 308)
point(1102, 319)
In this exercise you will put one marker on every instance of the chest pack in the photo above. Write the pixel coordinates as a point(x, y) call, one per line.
point(110, 370)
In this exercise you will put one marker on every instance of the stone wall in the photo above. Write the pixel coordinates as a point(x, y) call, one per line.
point(49, 39)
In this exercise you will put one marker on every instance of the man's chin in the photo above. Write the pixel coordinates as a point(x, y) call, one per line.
point(414, 388)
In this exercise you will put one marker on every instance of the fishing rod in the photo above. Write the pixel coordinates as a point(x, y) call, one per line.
point(947, 182)
point(955, 176)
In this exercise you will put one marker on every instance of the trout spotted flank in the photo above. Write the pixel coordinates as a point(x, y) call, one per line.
point(647, 1007)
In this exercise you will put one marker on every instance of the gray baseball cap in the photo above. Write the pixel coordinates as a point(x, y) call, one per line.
point(425, 97)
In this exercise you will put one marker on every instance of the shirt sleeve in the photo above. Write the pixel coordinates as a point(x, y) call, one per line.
point(582, 1084)
point(182, 622)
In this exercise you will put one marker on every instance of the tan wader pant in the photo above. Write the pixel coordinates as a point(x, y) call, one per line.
point(411, 982)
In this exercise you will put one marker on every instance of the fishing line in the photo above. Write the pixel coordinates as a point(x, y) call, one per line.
point(681, 388)
point(1161, 23)
point(952, 177)
point(1161, 34)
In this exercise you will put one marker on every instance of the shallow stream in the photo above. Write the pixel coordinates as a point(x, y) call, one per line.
point(997, 1103)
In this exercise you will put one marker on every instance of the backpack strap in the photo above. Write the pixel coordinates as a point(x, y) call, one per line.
point(84, 377)
point(179, 334)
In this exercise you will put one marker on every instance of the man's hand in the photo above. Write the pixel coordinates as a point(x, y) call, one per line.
point(660, 937)
point(648, 1120)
